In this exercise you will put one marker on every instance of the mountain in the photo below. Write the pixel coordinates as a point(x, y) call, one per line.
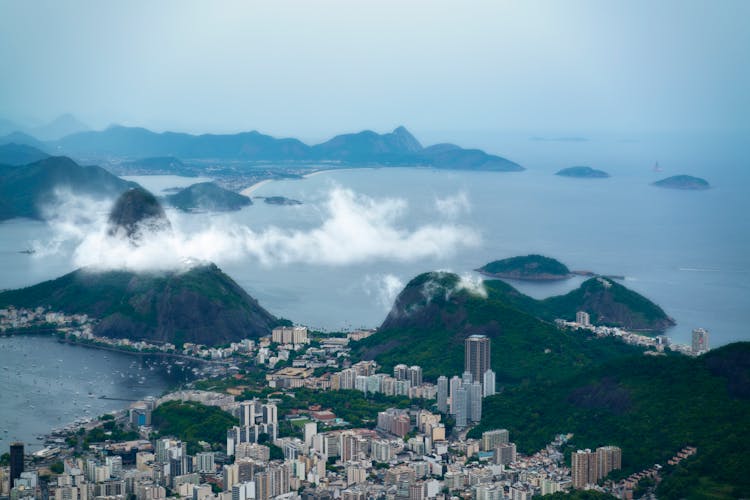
point(528, 267)
point(607, 302)
point(399, 147)
point(139, 142)
point(201, 304)
point(208, 196)
point(59, 127)
point(435, 312)
point(685, 182)
point(135, 214)
point(25, 189)
point(368, 145)
point(20, 154)
point(651, 407)
point(583, 173)
point(450, 156)
point(8, 127)
point(22, 138)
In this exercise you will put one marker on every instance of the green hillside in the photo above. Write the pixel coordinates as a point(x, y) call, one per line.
point(433, 315)
point(201, 305)
point(651, 407)
point(527, 267)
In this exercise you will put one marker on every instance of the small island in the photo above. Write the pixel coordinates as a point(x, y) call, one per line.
point(583, 173)
point(279, 200)
point(209, 197)
point(528, 267)
point(685, 182)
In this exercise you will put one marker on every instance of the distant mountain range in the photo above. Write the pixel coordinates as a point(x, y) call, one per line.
point(26, 189)
point(395, 148)
point(59, 127)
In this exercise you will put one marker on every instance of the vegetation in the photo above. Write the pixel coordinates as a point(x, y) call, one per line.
point(23, 188)
point(109, 430)
point(193, 422)
point(201, 305)
point(350, 405)
point(649, 406)
point(208, 196)
point(433, 315)
point(687, 182)
point(583, 172)
point(527, 267)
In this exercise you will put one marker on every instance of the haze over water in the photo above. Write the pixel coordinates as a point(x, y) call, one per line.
point(685, 250)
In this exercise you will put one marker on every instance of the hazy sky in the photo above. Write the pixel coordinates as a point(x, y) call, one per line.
point(314, 68)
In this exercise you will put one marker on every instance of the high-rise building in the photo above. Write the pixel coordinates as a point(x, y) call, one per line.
point(477, 356)
point(700, 341)
point(505, 453)
point(442, 394)
point(415, 375)
point(583, 468)
point(455, 384)
point(474, 402)
point(461, 406)
point(401, 372)
point(490, 439)
point(16, 462)
point(583, 319)
point(608, 458)
point(488, 383)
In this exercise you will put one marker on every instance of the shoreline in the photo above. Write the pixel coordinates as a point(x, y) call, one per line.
point(248, 191)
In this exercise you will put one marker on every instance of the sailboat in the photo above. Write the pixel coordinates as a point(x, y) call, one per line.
point(657, 168)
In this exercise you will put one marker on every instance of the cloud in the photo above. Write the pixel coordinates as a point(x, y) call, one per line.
point(385, 288)
point(453, 206)
point(354, 229)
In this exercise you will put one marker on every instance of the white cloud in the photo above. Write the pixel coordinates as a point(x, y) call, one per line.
point(453, 206)
point(355, 229)
point(385, 288)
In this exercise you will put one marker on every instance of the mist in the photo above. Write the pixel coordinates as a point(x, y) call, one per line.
point(311, 70)
point(354, 229)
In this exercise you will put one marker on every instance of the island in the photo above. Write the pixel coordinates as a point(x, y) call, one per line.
point(278, 200)
point(684, 182)
point(207, 196)
point(583, 173)
point(528, 267)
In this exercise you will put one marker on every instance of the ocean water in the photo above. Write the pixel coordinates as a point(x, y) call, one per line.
point(48, 384)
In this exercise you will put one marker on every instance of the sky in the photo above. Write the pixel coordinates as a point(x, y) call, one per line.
point(311, 69)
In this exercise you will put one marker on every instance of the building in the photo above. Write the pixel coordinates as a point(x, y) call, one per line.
point(700, 341)
point(491, 439)
point(505, 453)
point(16, 462)
point(583, 319)
point(415, 375)
point(477, 356)
point(461, 406)
point(474, 403)
point(442, 394)
point(608, 458)
point(488, 383)
point(583, 468)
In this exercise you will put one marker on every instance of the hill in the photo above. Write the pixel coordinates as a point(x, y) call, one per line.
point(583, 173)
point(26, 189)
point(20, 154)
point(651, 407)
point(435, 312)
point(200, 304)
point(686, 182)
point(135, 213)
point(208, 196)
point(528, 267)
point(363, 148)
